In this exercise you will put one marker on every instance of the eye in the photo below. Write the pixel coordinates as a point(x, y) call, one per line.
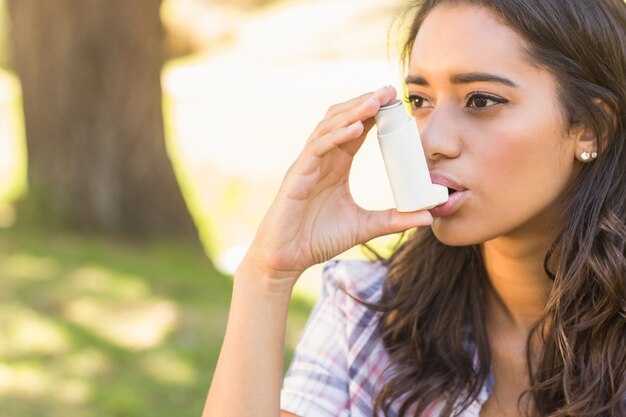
point(482, 100)
point(416, 102)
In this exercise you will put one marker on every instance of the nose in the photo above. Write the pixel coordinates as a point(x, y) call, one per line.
point(441, 138)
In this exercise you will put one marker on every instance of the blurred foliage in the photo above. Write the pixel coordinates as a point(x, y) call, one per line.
point(90, 327)
point(12, 141)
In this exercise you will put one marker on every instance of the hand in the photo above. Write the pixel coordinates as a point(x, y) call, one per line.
point(313, 217)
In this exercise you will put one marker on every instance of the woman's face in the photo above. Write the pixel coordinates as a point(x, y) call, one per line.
point(491, 126)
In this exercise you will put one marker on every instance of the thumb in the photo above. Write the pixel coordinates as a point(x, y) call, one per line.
point(386, 222)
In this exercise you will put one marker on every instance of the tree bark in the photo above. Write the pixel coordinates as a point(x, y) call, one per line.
point(90, 73)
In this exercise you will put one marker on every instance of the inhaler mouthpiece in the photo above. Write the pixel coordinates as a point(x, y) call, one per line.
point(405, 162)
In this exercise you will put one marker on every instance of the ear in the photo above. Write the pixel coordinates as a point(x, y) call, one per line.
point(586, 141)
point(586, 145)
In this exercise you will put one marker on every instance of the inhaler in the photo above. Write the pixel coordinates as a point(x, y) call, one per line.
point(405, 162)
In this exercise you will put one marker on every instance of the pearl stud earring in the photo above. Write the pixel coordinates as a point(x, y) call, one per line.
point(586, 155)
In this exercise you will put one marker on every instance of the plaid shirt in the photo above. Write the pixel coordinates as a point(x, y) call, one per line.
point(339, 360)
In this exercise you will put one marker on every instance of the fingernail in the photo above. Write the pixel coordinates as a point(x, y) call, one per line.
point(380, 90)
point(354, 126)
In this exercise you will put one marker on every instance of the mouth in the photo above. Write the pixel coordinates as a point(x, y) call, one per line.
point(457, 194)
point(452, 185)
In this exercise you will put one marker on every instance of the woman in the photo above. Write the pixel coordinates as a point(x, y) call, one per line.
point(513, 300)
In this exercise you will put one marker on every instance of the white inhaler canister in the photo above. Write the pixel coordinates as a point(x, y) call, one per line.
point(405, 162)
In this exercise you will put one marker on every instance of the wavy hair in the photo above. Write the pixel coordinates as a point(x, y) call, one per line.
point(432, 298)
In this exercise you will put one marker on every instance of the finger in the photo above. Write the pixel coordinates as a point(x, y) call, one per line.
point(335, 109)
point(361, 108)
point(344, 139)
point(385, 94)
point(337, 138)
point(364, 111)
point(386, 222)
point(369, 108)
point(353, 146)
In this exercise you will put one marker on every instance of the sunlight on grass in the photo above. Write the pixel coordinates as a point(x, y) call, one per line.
point(91, 327)
point(137, 325)
point(24, 380)
point(25, 332)
point(91, 279)
point(87, 363)
point(169, 367)
point(26, 267)
point(72, 391)
point(119, 308)
point(29, 381)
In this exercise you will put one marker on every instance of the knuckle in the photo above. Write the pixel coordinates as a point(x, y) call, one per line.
point(321, 126)
point(332, 110)
point(317, 132)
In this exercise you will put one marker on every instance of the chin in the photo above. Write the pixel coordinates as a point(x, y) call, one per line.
point(455, 233)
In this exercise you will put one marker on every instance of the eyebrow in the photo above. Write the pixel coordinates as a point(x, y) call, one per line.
point(464, 78)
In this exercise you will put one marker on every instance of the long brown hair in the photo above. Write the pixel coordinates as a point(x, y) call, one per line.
point(432, 299)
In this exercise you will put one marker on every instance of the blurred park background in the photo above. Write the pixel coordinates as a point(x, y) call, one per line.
point(140, 145)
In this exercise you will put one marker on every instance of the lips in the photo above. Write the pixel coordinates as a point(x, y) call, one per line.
point(456, 195)
point(447, 182)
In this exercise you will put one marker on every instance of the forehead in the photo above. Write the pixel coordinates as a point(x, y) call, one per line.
point(468, 38)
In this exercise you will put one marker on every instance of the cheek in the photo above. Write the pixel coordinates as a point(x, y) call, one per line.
point(508, 165)
point(524, 163)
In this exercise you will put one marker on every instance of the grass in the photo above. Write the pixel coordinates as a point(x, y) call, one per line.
point(94, 327)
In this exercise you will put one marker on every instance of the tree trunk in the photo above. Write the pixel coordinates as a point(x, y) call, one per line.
point(90, 72)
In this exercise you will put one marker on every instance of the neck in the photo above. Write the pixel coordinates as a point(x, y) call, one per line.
point(519, 284)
